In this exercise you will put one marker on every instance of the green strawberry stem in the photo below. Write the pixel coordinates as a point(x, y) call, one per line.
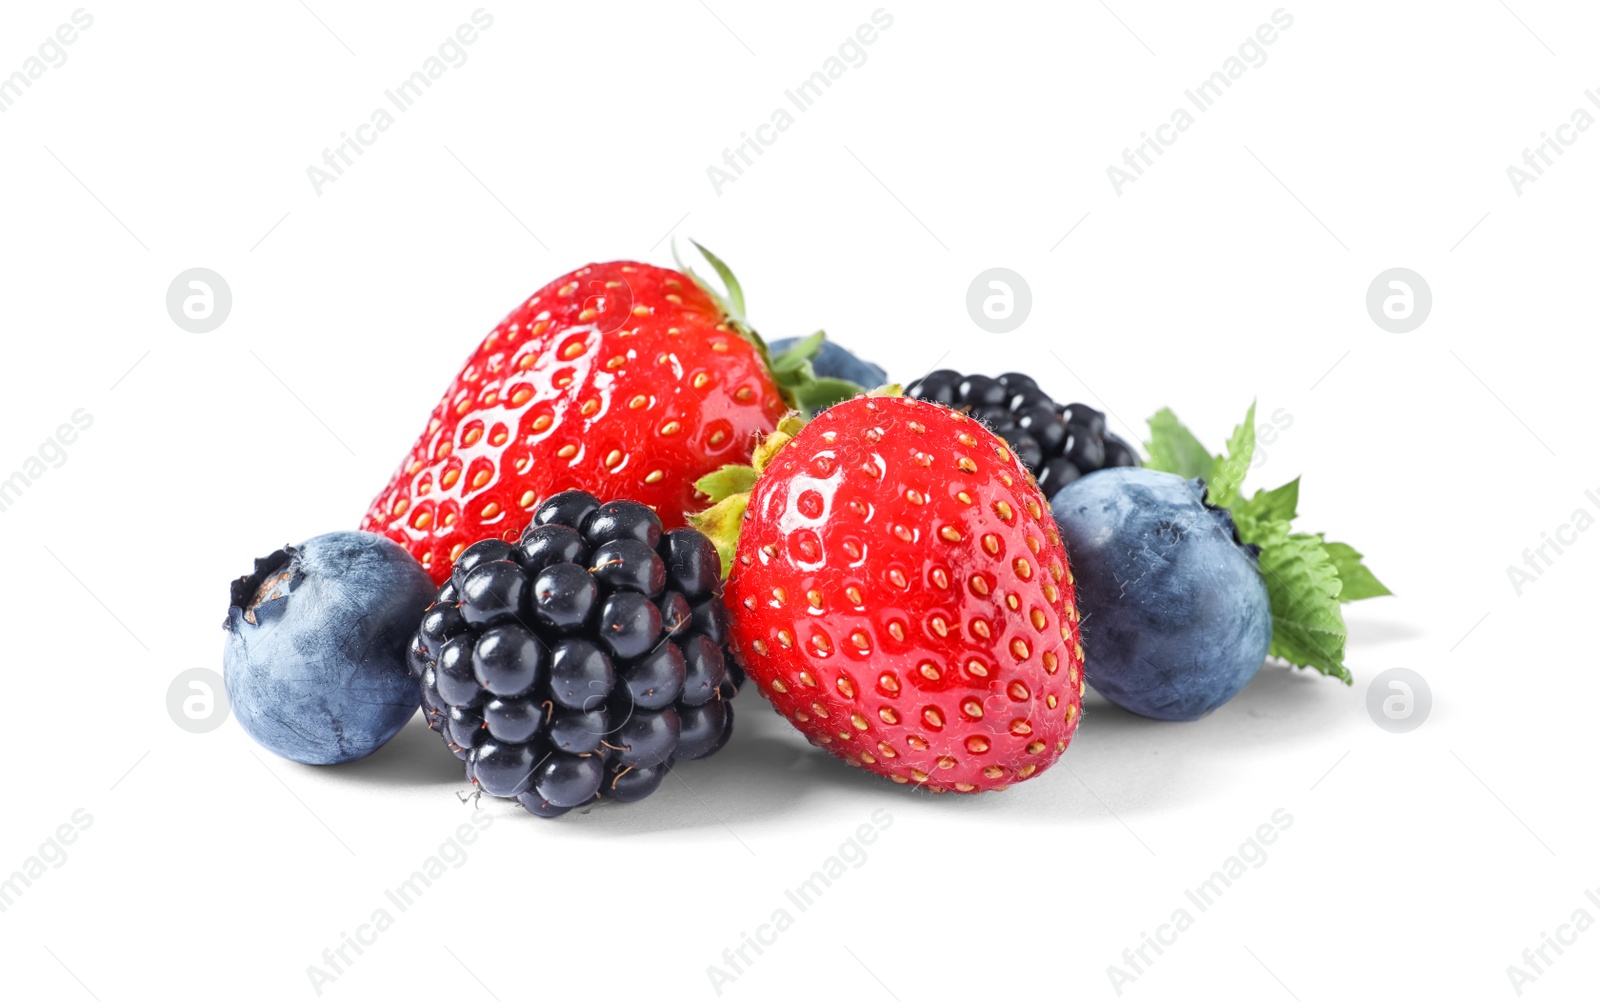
point(797, 380)
point(1307, 577)
point(729, 490)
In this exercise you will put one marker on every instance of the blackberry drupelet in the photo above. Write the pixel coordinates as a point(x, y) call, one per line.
point(582, 662)
point(1058, 443)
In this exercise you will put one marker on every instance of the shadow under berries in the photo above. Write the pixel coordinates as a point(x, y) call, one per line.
point(412, 758)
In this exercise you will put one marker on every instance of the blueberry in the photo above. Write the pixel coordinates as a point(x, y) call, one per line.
point(623, 520)
point(833, 361)
point(1175, 614)
point(316, 656)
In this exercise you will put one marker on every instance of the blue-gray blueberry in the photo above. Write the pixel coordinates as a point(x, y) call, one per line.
point(316, 657)
point(833, 361)
point(1175, 613)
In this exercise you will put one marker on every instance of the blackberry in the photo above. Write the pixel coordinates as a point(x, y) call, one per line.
point(585, 661)
point(1058, 443)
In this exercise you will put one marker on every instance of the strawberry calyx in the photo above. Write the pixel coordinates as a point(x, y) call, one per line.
point(799, 384)
point(729, 488)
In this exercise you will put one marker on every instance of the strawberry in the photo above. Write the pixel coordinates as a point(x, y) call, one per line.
point(623, 379)
point(900, 592)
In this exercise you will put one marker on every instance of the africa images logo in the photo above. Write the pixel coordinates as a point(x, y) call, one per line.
point(51, 455)
point(451, 54)
point(851, 55)
point(1252, 54)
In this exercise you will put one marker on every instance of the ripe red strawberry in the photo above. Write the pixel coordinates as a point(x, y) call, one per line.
point(623, 379)
point(900, 592)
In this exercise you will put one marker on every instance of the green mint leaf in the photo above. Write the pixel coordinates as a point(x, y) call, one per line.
point(1174, 449)
point(1358, 582)
point(726, 482)
point(1278, 504)
point(1307, 578)
point(801, 352)
point(1303, 589)
point(1264, 530)
point(1228, 472)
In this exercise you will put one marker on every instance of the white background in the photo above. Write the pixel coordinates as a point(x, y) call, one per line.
point(1375, 135)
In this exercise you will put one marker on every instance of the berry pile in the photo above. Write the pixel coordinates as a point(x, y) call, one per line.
point(1058, 443)
point(584, 660)
point(899, 585)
